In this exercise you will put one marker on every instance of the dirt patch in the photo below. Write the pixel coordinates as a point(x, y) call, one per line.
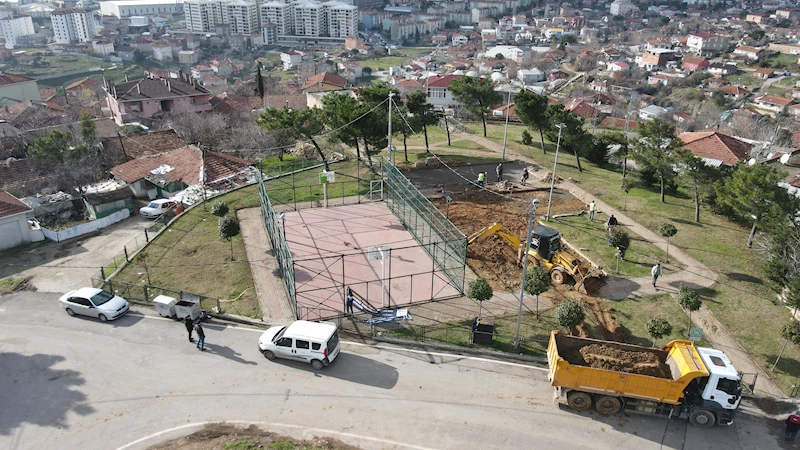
point(606, 357)
point(222, 436)
point(16, 284)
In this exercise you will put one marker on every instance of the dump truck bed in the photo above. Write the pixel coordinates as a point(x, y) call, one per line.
point(568, 369)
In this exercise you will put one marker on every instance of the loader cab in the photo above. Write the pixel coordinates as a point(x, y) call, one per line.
point(724, 383)
point(546, 241)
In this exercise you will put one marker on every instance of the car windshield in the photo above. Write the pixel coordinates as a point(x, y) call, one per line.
point(154, 205)
point(279, 334)
point(101, 298)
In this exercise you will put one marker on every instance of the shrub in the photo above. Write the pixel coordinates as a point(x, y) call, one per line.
point(219, 209)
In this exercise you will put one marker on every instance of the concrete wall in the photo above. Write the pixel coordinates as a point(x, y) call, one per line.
point(86, 228)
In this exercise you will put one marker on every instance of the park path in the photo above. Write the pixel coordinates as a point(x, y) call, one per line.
point(695, 275)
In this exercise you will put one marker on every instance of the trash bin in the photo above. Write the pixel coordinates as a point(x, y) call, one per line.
point(188, 308)
point(483, 332)
point(165, 306)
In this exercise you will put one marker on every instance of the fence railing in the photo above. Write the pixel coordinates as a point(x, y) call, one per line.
point(277, 239)
point(146, 293)
point(128, 250)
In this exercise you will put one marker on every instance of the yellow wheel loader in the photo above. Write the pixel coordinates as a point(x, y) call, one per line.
point(546, 251)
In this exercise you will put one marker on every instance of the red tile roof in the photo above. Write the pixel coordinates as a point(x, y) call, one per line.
point(582, 109)
point(11, 78)
point(703, 34)
point(88, 83)
point(441, 81)
point(775, 100)
point(324, 77)
point(10, 205)
point(143, 144)
point(186, 164)
point(616, 122)
point(764, 70)
point(716, 146)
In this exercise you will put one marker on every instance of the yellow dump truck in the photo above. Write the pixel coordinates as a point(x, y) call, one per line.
point(678, 381)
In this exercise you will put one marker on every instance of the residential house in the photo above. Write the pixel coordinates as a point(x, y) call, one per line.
point(17, 88)
point(215, 84)
point(655, 80)
point(101, 204)
point(772, 103)
point(133, 101)
point(599, 85)
point(652, 112)
point(557, 75)
point(756, 18)
point(694, 63)
point(721, 70)
point(751, 53)
point(618, 66)
point(162, 53)
point(14, 228)
point(324, 81)
point(654, 59)
point(703, 43)
point(160, 176)
point(763, 73)
point(582, 109)
point(406, 87)
point(86, 89)
point(530, 76)
point(715, 148)
point(123, 148)
point(499, 112)
point(459, 39)
point(291, 59)
point(732, 92)
point(438, 92)
point(102, 47)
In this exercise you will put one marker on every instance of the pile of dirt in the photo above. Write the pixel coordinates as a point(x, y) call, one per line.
point(601, 314)
point(609, 358)
point(548, 178)
point(223, 435)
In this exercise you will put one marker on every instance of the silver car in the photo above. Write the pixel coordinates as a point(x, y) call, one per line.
point(94, 302)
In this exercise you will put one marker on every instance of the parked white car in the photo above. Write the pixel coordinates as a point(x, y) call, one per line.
point(313, 342)
point(94, 302)
point(157, 207)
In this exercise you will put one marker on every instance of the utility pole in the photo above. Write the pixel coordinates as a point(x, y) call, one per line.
point(505, 134)
point(389, 137)
point(534, 202)
point(555, 165)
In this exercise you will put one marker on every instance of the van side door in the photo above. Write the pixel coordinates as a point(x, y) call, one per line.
point(284, 347)
point(302, 350)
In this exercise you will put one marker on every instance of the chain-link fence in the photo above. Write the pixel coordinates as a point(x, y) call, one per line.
point(428, 225)
point(277, 239)
point(146, 293)
point(129, 250)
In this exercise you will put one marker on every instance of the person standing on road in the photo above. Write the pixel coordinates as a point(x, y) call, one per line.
point(499, 171)
point(656, 272)
point(792, 426)
point(524, 176)
point(592, 209)
point(189, 326)
point(201, 336)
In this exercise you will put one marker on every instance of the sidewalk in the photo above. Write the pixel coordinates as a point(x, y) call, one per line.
point(694, 275)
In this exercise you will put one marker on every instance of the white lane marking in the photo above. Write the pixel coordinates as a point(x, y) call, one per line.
point(399, 349)
point(285, 425)
point(450, 355)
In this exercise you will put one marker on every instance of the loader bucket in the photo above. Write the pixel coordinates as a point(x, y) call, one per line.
point(594, 279)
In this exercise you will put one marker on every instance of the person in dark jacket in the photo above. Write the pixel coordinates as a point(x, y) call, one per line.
point(201, 336)
point(792, 426)
point(189, 326)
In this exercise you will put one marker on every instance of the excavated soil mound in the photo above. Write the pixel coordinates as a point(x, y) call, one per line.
point(609, 358)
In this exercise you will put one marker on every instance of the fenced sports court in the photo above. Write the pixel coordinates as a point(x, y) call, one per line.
point(390, 253)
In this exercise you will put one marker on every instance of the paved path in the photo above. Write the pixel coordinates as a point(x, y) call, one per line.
point(695, 274)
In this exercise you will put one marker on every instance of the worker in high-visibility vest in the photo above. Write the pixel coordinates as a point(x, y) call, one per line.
point(482, 179)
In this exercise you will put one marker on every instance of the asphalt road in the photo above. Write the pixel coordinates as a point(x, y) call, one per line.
point(77, 383)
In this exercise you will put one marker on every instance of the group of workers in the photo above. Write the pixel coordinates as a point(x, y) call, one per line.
point(499, 172)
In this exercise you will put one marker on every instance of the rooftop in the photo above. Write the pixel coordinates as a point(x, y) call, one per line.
point(10, 78)
point(716, 146)
point(148, 88)
point(10, 205)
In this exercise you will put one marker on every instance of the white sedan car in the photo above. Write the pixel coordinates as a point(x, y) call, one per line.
point(94, 302)
point(157, 207)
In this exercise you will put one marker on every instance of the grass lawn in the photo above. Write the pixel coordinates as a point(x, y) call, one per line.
point(116, 75)
point(634, 312)
point(745, 79)
point(10, 284)
point(741, 300)
point(781, 61)
point(435, 135)
point(308, 188)
point(583, 234)
point(400, 57)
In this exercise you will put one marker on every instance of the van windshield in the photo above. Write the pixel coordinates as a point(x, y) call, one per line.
point(279, 334)
point(333, 342)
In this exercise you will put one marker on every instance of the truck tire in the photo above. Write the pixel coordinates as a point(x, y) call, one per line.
point(579, 401)
point(608, 405)
point(702, 418)
point(557, 276)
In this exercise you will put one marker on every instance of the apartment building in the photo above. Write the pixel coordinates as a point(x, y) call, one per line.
point(127, 8)
point(202, 16)
point(280, 14)
point(14, 27)
point(241, 16)
point(72, 25)
point(342, 19)
point(309, 19)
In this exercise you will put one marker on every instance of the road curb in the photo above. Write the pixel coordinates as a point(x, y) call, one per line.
point(458, 349)
point(226, 317)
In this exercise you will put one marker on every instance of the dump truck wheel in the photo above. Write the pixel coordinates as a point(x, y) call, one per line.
point(558, 277)
point(702, 418)
point(579, 401)
point(608, 405)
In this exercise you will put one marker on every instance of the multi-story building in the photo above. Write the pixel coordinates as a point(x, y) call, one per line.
point(133, 101)
point(72, 25)
point(269, 34)
point(622, 7)
point(703, 43)
point(277, 13)
point(309, 19)
point(241, 15)
point(342, 19)
point(14, 27)
point(17, 88)
point(202, 16)
point(128, 8)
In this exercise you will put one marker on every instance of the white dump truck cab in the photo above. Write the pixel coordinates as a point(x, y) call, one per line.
point(723, 388)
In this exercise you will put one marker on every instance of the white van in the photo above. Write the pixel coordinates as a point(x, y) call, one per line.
point(313, 342)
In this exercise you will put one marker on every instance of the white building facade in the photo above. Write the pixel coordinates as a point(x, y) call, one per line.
point(127, 8)
point(73, 25)
point(309, 19)
point(14, 27)
point(241, 15)
point(280, 14)
point(342, 19)
point(202, 16)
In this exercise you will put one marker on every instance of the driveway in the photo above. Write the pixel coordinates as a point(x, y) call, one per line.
point(77, 383)
point(67, 265)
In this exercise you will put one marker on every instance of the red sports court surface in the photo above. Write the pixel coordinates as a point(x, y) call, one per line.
point(330, 249)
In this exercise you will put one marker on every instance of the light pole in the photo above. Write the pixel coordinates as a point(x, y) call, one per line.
point(534, 202)
point(389, 137)
point(505, 134)
point(555, 164)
